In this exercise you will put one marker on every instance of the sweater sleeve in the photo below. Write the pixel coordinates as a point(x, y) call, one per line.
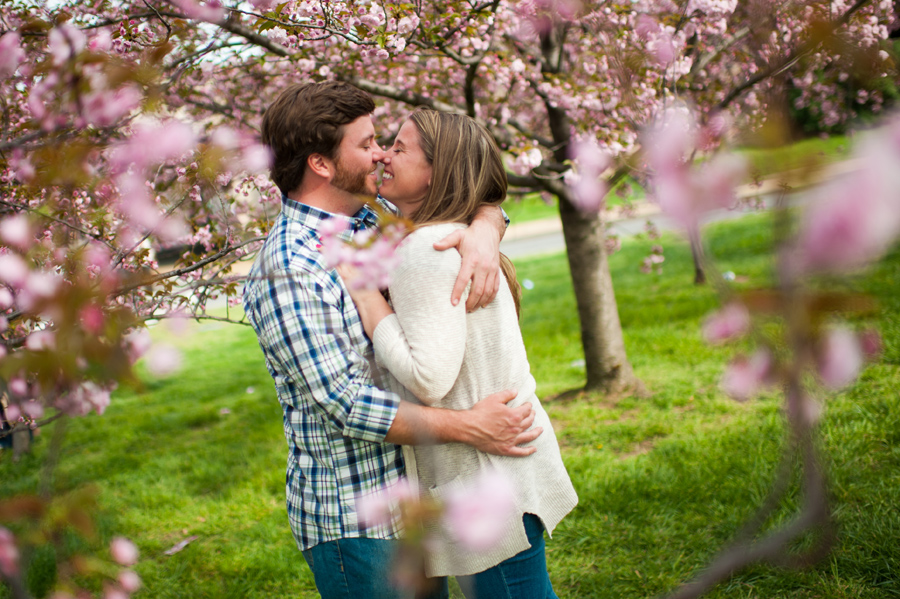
point(423, 342)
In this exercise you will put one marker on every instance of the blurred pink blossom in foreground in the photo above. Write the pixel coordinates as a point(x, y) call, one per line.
point(129, 581)
point(163, 359)
point(211, 10)
point(16, 230)
point(840, 358)
point(377, 508)
point(372, 255)
point(123, 551)
point(479, 514)
point(855, 220)
point(9, 554)
point(685, 191)
point(11, 53)
point(730, 322)
point(588, 189)
point(744, 376)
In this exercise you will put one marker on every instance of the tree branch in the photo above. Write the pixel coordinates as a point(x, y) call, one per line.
point(182, 271)
point(792, 58)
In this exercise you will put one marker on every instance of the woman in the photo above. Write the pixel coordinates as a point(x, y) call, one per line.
point(441, 169)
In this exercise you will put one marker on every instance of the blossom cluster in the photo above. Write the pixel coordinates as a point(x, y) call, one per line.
point(474, 514)
point(371, 254)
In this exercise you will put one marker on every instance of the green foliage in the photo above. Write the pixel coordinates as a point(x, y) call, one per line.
point(664, 481)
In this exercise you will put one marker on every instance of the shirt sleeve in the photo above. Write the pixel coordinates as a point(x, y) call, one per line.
point(302, 321)
point(422, 344)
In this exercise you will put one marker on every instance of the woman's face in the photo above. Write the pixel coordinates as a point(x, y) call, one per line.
point(407, 173)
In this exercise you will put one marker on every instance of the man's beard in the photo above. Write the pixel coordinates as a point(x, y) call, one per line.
point(352, 182)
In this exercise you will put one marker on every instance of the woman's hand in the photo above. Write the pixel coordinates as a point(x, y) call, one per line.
point(370, 304)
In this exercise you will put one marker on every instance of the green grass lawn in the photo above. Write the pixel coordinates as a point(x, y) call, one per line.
point(664, 481)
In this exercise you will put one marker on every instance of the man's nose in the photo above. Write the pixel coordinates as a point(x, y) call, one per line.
point(379, 153)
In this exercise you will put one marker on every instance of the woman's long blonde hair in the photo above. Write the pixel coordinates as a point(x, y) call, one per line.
point(467, 173)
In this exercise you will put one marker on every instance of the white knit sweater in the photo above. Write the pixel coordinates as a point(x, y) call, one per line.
point(451, 359)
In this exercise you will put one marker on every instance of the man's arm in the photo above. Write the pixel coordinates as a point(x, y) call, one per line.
point(479, 246)
point(302, 330)
point(490, 426)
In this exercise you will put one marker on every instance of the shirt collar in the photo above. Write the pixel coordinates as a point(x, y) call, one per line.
point(313, 218)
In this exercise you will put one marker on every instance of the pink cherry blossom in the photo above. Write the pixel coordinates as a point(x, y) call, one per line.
point(478, 516)
point(65, 42)
point(730, 322)
point(129, 581)
point(744, 377)
point(3, 349)
point(123, 551)
point(137, 343)
point(21, 165)
point(13, 270)
point(373, 257)
point(13, 412)
point(163, 360)
point(112, 592)
point(854, 220)
point(9, 554)
point(6, 298)
point(11, 53)
point(101, 41)
point(211, 10)
point(870, 343)
point(408, 23)
point(263, 5)
point(16, 230)
point(41, 340)
point(85, 398)
point(97, 256)
point(588, 189)
point(32, 409)
point(377, 508)
point(18, 386)
point(256, 158)
point(105, 107)
point(683, 191)
point(840, 358)
point(92, 319)
point(526, 161)
point(646, 26)
point(153, 144)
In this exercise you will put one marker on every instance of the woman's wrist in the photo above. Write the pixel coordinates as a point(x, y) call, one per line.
point(372, 308)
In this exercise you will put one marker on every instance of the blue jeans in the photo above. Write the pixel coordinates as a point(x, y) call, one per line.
point(523, 576)
point(361, 569)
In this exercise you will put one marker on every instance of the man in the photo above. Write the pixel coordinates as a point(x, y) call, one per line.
point(343, 431)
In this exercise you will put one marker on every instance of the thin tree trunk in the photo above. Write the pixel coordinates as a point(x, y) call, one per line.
point(606, 363)
point(697, 255)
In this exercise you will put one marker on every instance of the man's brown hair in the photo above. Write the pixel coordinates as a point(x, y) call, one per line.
point(306, 119)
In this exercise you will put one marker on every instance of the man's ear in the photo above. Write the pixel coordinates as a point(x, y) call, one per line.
point(321, 166)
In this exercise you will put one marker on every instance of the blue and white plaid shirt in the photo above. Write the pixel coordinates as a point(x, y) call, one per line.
point(335, 417)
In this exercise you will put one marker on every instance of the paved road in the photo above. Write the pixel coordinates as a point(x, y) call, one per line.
point(545, 237)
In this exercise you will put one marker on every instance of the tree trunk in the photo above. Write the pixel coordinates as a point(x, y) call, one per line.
point(697, 255)
point(606, 363)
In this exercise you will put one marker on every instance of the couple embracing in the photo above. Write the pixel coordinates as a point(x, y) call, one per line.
point(456, 390)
